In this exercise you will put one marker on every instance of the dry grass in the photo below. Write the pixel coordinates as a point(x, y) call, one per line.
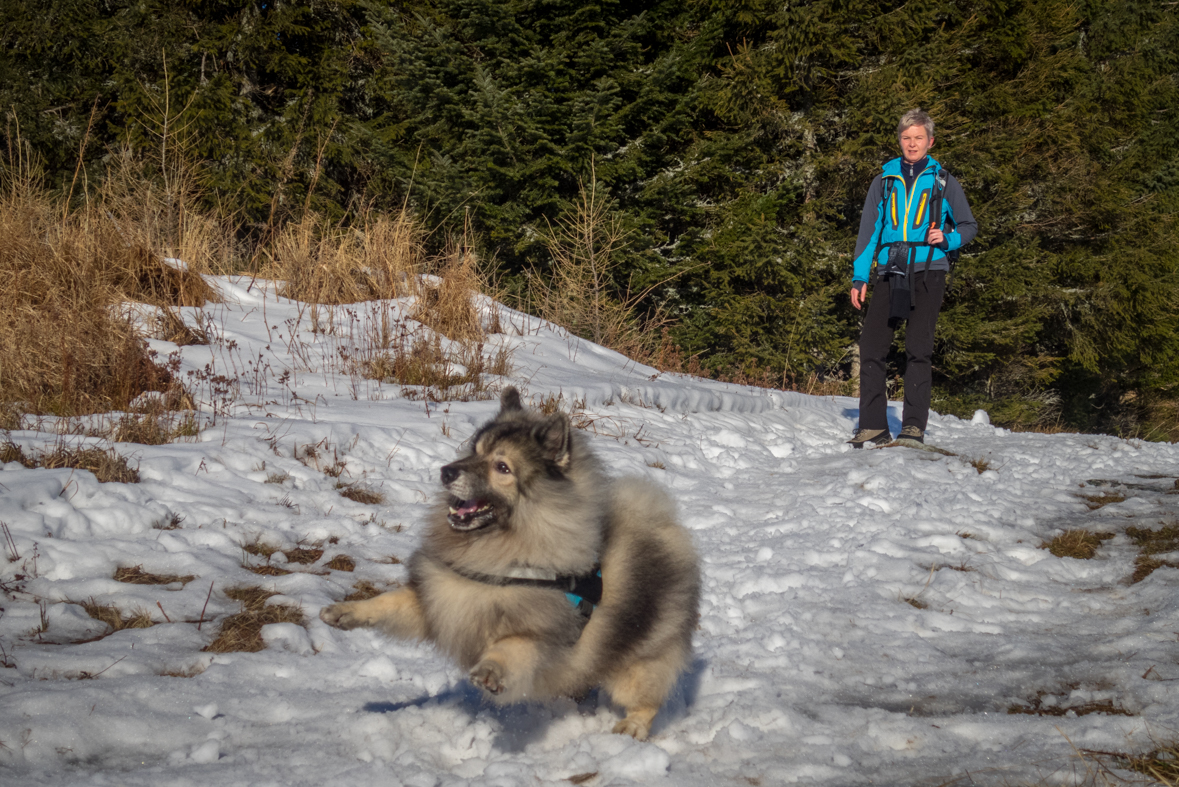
point(363, 590)
point(64, 347)
point(303, 556)
point(341, 563)
point(361, 494)
point(259, 548)
point(1036, 708)
point(156, 428)
point(1160, 764)
point(451, 363)
point(1094, 502)
point(243, 632)
point(446, 306)
point(172, 522)
point(135, 575)
point(171, 327)
point(267, 570)
point(324, 263)
point(113, 617)
point(419, 362)
point(107, 465)
point(1080, 544)
point(1151, 543)
point(980, 464)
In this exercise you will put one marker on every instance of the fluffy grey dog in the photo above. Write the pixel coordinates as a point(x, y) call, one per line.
point(543, 577)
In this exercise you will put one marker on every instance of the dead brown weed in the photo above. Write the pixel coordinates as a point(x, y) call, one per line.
point(1151, 543)
point(114, 617)
point(135, 575)
point(319, 262)
point(242, 632)
point(64, 346)
point(341, 563)
point(1077, 543)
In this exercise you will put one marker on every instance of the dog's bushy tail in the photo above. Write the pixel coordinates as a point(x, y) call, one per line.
point(650, 592)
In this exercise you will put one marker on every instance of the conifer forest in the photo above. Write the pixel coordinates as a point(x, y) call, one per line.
point(728, 144)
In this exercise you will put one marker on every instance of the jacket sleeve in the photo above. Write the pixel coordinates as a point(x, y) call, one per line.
point(870, 221)
point(957, 209)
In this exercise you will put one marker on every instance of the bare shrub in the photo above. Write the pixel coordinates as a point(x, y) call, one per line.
point(579, 293)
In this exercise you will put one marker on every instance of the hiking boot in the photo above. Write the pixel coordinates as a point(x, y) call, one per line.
point(873, 436)
point(912, 434)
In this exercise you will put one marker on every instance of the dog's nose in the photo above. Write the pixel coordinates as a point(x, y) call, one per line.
point(449, 473)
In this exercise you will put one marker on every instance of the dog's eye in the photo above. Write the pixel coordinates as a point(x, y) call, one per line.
point(502, 467)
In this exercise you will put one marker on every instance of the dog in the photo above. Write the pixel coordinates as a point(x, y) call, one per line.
point(542, 577)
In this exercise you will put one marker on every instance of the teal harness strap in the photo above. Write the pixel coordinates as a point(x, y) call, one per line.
point(584, 592)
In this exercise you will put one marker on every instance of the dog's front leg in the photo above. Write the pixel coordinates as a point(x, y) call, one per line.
point(508, 669)
point(397, 613)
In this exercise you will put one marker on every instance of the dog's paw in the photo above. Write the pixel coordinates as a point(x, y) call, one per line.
point(489, 676)
point(341, 616)
point(633, 727)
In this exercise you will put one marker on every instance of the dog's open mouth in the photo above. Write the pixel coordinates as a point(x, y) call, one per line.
point(470, 514)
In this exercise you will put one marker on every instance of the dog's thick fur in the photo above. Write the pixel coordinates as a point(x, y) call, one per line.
point(529, 495)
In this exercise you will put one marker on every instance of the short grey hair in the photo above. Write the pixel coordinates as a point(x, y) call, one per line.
point(915, 117)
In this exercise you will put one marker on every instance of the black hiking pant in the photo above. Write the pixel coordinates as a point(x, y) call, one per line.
point(875, 341)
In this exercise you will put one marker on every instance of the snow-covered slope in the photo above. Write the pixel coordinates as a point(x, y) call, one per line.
point(868, 616)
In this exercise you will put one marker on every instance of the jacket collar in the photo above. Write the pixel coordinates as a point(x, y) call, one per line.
point(892, 169)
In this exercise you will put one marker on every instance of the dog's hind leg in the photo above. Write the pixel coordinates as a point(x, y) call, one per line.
point(508, 668)
point(641, 689)
point(398, 613)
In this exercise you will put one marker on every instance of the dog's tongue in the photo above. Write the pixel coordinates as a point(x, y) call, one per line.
point(468, 507)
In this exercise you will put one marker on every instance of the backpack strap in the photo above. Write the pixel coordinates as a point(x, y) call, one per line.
point(880, 244)
point(935, 217)
point(951, 256)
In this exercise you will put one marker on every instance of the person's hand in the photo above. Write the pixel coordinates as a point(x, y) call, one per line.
point(858, 293)
point(935, 236)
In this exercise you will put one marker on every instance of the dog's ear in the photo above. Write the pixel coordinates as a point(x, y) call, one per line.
point(553, 436)
point(509, 401)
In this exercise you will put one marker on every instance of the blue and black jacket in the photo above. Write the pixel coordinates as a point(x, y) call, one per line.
point(905, 218)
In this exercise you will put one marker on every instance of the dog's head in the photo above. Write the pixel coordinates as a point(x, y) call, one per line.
point(508, 456)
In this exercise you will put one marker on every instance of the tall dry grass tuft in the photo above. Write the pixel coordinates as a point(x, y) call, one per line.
point(320, 262)
point(64, 348)
point(156, 209)
point(444, 303)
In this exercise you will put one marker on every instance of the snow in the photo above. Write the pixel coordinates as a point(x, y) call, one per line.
point(868, 617)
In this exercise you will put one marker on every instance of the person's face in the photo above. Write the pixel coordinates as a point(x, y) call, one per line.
point(915, 143)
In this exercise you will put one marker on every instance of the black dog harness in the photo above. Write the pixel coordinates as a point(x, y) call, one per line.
point(583, 591)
